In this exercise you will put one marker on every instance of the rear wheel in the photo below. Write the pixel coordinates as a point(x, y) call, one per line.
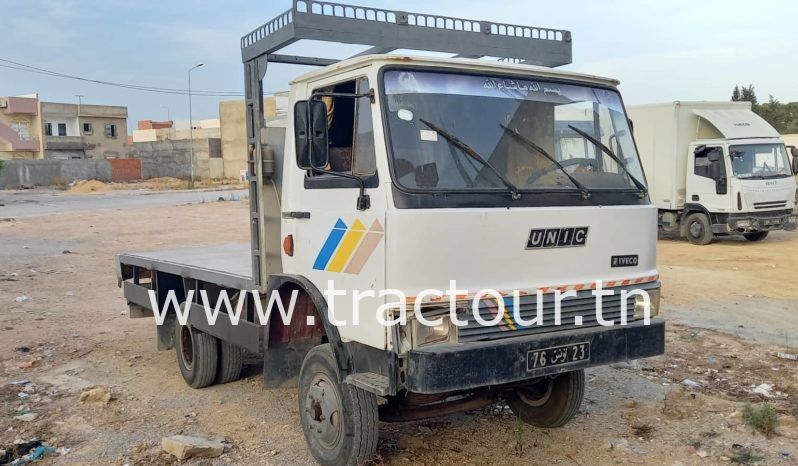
point(698, 229)
point(758, 236)
point(550, 401)
point(231, 362)
point(339, 420)
point(197, 356)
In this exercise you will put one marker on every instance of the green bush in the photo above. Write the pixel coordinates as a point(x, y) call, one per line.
point(761, 417)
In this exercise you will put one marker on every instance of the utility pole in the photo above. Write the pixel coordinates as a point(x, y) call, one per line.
point(191, 125)
point(80, 124)
point(168, 115)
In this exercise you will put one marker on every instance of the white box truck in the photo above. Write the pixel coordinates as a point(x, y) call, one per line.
point(714, 169)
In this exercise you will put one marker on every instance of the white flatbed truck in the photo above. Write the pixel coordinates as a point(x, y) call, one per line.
point(716, 169)
point(405, 173)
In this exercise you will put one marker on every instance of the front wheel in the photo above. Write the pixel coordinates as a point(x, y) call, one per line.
point(550, 401)
point(698, 229)
point(758, 236)
point(339, 420)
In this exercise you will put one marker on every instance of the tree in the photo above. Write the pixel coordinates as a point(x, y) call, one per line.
point(736, 94)
point(747, 94)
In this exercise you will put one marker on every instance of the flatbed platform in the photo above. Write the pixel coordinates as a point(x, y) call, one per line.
point(226, 265)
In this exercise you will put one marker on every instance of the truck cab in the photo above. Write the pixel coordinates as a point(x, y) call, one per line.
point(716, 169)
point(436, 215)
point(750, 179)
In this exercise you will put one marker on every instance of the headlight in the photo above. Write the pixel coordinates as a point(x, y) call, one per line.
point(640, 304)
point(792, 219)
point(429, 334)
point(743, 223)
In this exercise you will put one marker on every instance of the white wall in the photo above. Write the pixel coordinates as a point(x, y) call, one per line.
point(71, 125)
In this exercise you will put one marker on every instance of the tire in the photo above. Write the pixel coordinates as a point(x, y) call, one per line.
point(323, 400)
point(197, 356)
point(231, 362)
point(758, 236)
point(698, 229)
point(549, 402)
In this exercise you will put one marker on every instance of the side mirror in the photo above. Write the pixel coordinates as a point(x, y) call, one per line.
point(794, 151)
point(700, 149)
point(310, 134)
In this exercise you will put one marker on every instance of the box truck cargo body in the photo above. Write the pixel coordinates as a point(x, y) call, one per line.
point(715, 168)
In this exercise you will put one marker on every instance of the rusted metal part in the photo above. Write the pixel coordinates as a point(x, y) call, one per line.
point(393, 412)
point(299, 328)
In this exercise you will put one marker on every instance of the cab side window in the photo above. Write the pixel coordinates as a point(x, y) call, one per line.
point(365, 162)
point(351, 134)
point(702, 163)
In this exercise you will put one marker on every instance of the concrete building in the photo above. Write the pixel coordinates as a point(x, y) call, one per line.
point(152, 131)
point(74, 131)
point(31, 129)
point(20, 127)
point(234, 131)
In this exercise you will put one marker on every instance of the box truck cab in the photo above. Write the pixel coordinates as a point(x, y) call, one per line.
point(714, 169)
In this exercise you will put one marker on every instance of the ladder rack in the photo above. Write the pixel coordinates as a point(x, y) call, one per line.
point(388, 30)
point(383, 31)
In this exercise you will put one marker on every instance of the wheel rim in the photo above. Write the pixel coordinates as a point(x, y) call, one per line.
point(537, 394)
point(323, 411)
point(186, 347)
point(696, 229)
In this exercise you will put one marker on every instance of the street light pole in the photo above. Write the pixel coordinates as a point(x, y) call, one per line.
point(191, 125)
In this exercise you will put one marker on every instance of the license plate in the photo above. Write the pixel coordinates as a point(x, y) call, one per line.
point(558, 356)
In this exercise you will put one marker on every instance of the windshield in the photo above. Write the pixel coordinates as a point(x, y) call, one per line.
point(516, 125)
point(759, 161)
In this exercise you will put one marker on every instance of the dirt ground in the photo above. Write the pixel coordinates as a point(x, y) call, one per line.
point(152, 184)
point(63, 327)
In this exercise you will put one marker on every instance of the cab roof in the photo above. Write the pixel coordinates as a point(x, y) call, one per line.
point(466, 64)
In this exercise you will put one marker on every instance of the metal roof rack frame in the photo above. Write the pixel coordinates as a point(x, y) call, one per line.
point(388, 30)
point(383, 31)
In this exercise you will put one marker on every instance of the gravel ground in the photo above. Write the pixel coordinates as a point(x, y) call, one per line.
point(731, 307)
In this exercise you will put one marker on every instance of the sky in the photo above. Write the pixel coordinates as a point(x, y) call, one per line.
point(659, 50)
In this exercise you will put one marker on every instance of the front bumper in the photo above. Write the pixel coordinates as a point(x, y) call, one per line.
point(444, 368)
point(761, 221)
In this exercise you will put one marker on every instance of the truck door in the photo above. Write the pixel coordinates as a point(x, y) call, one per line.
point(706, 185)
point(333, 239)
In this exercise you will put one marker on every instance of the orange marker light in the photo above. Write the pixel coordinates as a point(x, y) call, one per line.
point(288, 245)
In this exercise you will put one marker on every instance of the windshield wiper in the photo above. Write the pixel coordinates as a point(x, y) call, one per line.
point(531, 144)
point(469, 151)
point(621, 163)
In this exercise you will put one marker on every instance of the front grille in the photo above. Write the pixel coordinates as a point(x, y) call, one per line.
point(770, 205)
point(584, 305)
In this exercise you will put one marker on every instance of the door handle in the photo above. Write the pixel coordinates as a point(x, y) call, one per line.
point(296, 214)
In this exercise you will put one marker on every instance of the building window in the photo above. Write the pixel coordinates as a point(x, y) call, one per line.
point(87, 128)
point(110, 131)
point(21, 127)
point(48, 129)
point(62, 129)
